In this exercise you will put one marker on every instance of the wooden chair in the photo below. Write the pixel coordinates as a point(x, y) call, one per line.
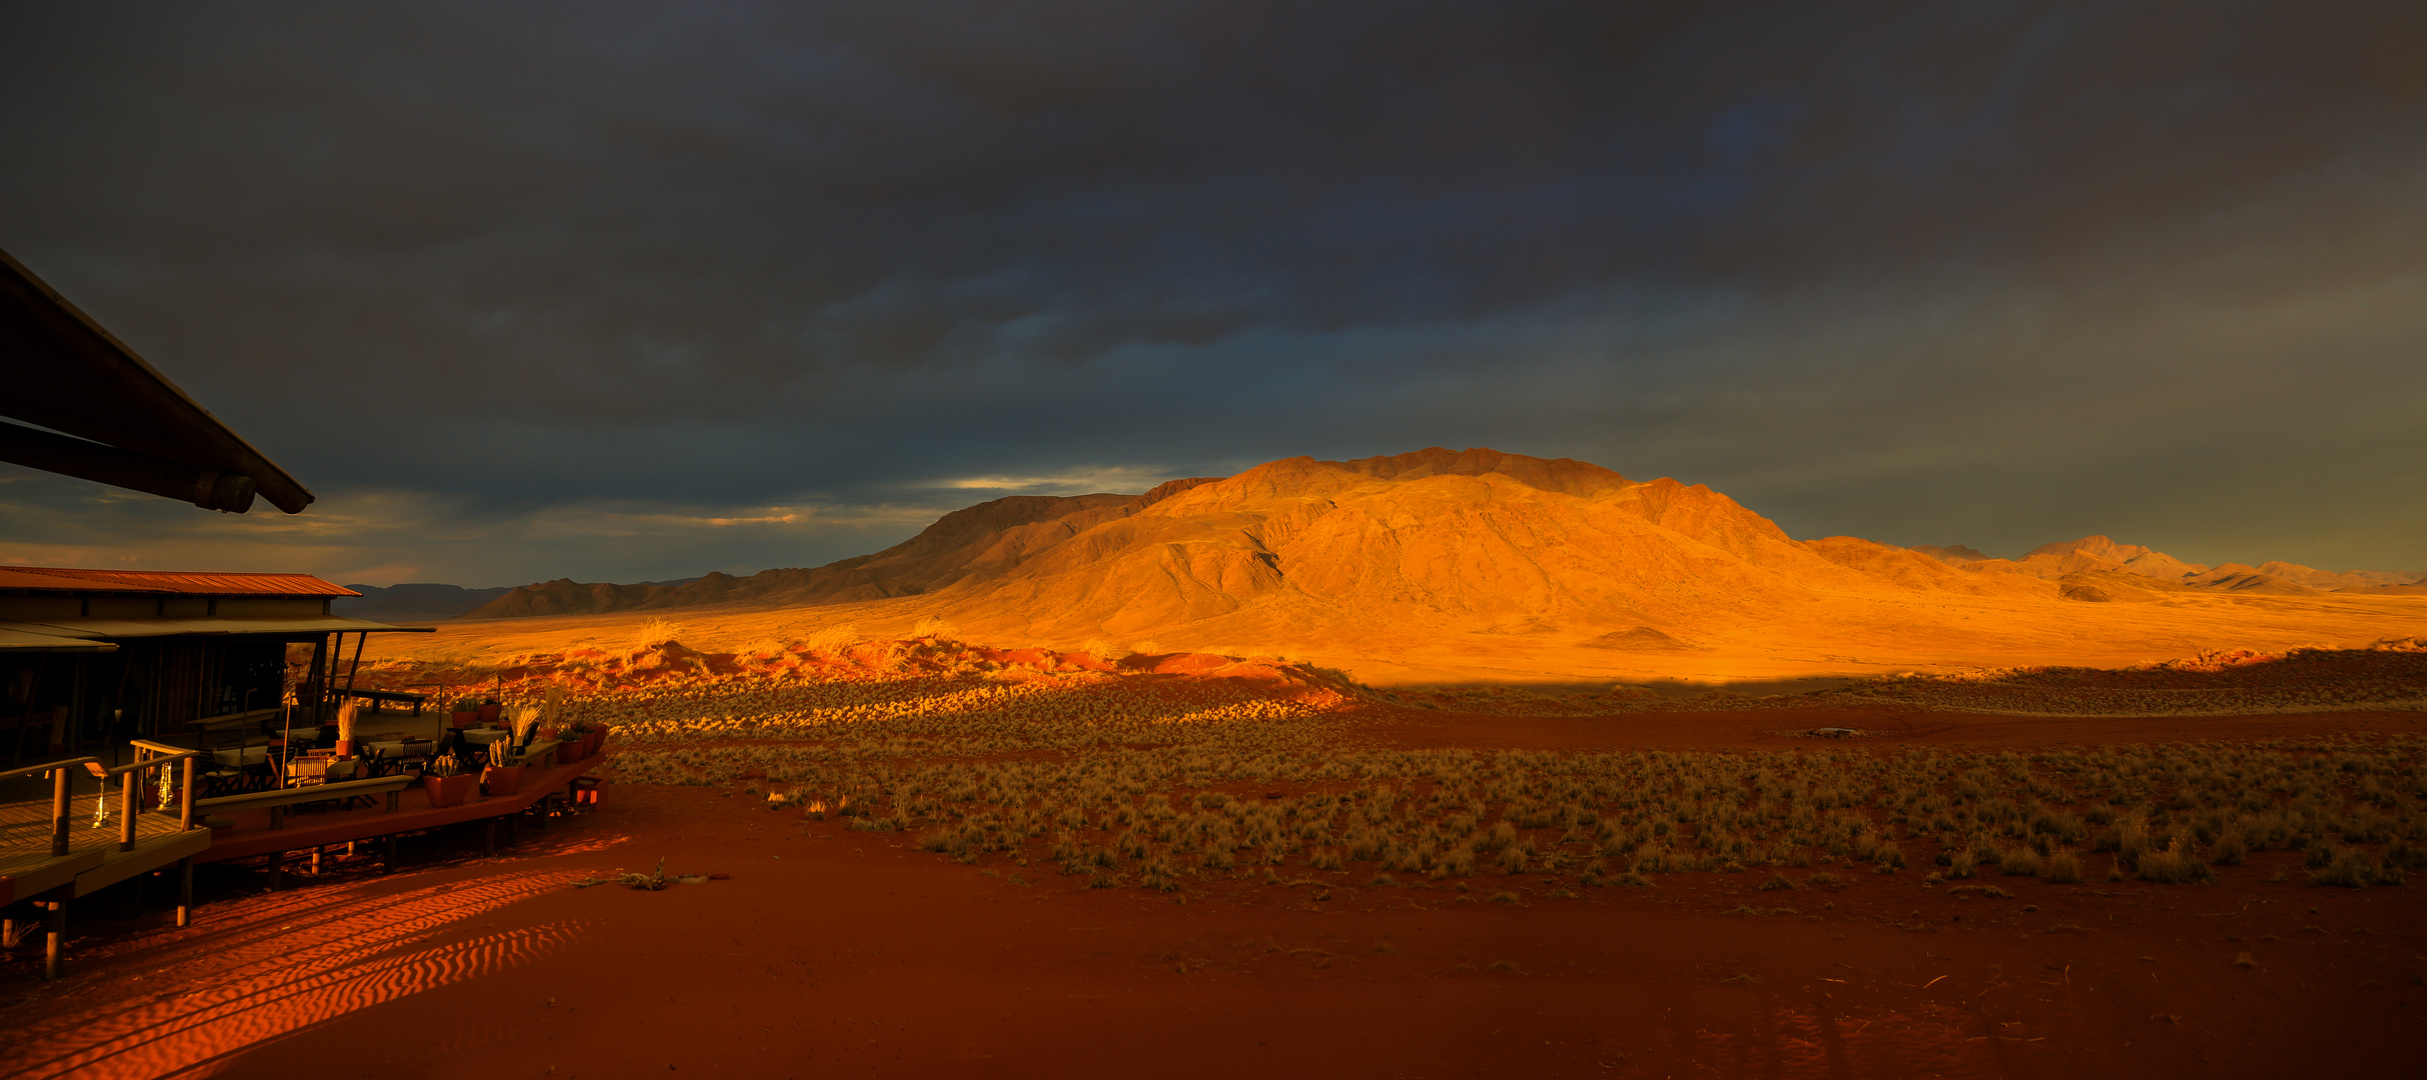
point(221, 773)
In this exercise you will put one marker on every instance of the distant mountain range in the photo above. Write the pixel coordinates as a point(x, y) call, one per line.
point(1415, 546)
point(2100, 555)
point(427, 602)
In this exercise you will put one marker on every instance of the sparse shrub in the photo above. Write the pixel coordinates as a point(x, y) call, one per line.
point(1777, 882)
point(2230, 849)
point(2019, 862)
point(2348, 868)
point(1633, 878)
point(2061, 868)
point(2175, 865)
point(1960, 865)
point(1888, 856)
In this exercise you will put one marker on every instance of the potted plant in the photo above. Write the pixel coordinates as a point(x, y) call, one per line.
point(489, 710)
point(500, 778)
point(446, 782)
point(598, 738)
point(463, 712)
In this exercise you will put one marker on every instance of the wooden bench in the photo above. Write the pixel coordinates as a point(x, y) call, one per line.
point(278, 800)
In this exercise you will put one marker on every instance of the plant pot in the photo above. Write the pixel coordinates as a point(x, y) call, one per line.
point(448, 791)
point(597, 739)
point(464, 719)
point(489, 712)
point(500, 780)
point(345, 748)
point(570, 750)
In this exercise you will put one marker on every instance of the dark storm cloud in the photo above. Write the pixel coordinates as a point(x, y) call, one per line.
point(1924, 272)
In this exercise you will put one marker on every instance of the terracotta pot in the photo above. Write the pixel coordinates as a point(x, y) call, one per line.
point(464, 719)
point(572, 749)
point(500, 780)
point(598, 738)
point(448, 790)
point(489, 711)
point(345, 748)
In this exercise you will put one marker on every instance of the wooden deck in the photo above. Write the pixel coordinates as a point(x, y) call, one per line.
point(28, 868)
point(250, 834)
point(93, 861)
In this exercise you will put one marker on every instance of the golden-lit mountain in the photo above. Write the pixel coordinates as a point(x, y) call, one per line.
point(1480, 558)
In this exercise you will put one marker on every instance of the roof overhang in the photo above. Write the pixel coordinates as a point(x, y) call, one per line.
point(112, 418)
point(13, 639)
point(89, 630)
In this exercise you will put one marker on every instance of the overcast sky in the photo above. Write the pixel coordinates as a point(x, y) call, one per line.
point(638, 292)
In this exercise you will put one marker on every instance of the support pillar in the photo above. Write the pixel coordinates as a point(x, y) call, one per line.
point(54, 940)
point(278, 861)
point(185, 892)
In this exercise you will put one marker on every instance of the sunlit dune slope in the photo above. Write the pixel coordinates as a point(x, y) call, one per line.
point(1448, 566)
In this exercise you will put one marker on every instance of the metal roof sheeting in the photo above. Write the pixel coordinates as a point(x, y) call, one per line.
point(71, 579)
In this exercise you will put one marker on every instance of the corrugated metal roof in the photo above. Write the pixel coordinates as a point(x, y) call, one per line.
point(72, 579)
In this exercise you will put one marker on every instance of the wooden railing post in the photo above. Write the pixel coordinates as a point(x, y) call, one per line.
point(126, 809)
point(59, 782)
point(185, 800)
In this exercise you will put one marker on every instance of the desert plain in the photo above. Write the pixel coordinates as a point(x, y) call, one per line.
point(1428, 766)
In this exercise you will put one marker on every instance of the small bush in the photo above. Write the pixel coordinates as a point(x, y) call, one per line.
point(1777, 882)
point(2019, 862)
point(2348, 868)
point(2062, 868)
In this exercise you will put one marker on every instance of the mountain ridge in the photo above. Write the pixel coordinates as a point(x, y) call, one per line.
point(1428, 543)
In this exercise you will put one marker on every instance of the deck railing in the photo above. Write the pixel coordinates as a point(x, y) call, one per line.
point(60, 773)
point(149, 755)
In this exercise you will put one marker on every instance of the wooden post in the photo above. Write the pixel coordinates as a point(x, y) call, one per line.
point(59, 811)
point(391, 865)
point(126, 807)
point(53, 940)
point(316, 849)
point(185, 801)
point(185, 891)
point(488, 841)
point(278, 817)
point(359, 640)
point(278, 862)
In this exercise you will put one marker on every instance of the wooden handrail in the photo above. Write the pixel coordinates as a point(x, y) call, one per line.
point(37, 770)
point(148, 755)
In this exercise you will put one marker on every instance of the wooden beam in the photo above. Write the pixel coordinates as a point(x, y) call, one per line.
point(209, 489)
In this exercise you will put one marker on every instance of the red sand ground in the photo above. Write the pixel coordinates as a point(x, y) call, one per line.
point(829, 951)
